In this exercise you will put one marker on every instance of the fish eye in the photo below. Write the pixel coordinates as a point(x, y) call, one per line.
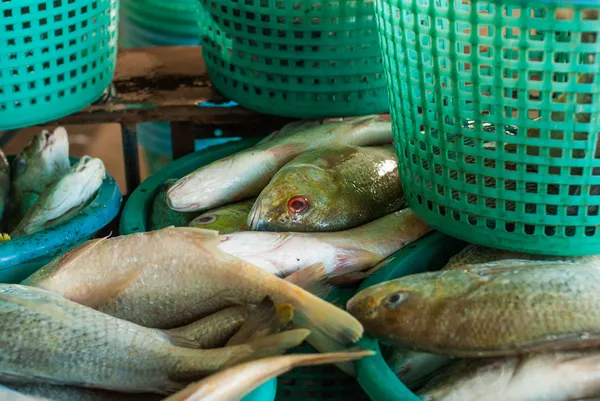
point(298, 204)
point(394, 300)
point(206, 220)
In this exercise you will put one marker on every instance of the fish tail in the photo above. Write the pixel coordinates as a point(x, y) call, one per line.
point(263, 347)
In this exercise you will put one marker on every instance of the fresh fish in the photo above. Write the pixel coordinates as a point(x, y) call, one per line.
point(174, 276)
point(330, 189)
point(162, 215)
point(477, 254)
point(71, 393)
point(227, 219)
point(494, 309)
point(40, 164)
point(245, 174)
point(234, 383)
point(48, 338)
point(563, 376)
point(414, 368)
point(7, 394)
point(4, 183)
point(342, 252)
point(63, 199)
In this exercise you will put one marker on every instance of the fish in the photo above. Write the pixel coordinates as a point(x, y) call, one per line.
point(8, 394)
point(227, 219)
point(561, 376)
point(245, 174)
point(330, 189)
point(162, 215)
point(63, 199)
point(48, 338)
point(35, 168)
point(415, 368)
point(4, 184)
point(172, 277)
point(234, 383)
point(496, 309)
point(342, 252)
point(72, 393)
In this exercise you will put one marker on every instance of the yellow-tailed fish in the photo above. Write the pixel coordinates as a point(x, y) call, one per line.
point(64, 198)
point(244, 174)
point(161, 215)
point(234, 383)
point(174, 276)
point(330, 189)
point(496, 309)
point(48, 338)
point(341, 252)
point(41, 163)
point(562, 376)
point(72, 393)
point(227, 219)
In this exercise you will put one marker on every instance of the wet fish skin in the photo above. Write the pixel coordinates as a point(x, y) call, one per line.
point(496, 309)
point(341, 252)
point(64, 198)
point(8, 394)
point(37, 166)
point(71, 393)
point(227, 219)
point(338, 188)
point(174, 276)
point(234, 383)
point(162, 215)
point(415, 368)
point(244, 174)
point(562, 376)
point(61, 342)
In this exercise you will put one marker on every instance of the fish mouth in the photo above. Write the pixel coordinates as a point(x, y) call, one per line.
point(363, 309)
point(176, 197)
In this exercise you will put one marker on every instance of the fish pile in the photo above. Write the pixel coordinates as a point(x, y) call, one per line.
point(41, 188)
point(491, 325)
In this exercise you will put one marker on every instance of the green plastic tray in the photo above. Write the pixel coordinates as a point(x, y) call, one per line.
point(496, 111)
point(319, 383)
point(429, 253)
point(56, 57)
point(302, 58)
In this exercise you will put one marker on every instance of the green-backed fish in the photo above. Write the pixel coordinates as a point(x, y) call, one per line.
point(415, 368)
point(4, 184)
point(234, 383)
point(227, 219)
point(161, 215)
point(494, 309)
point(41, 163)
point(561, 376)
point(64, 198)
point(48, 338)
point(330, 189)
point(244, 174)
point(171, 277)
point(72, 393)
point(342, 252)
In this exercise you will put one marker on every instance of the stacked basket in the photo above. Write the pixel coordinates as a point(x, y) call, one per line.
point(159, 23)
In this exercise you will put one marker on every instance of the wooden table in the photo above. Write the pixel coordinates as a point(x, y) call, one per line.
point(168, 84)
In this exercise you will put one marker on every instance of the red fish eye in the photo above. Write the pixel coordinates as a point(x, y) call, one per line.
point(298, 204)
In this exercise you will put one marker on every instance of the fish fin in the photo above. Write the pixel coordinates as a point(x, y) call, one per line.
point(109, 290)
point(274, 344)
point(312, 279)
point(324, 344)
point(179, 339)
point(350, 259)
point(354, 277)
point(257, 324)
point(286, 151)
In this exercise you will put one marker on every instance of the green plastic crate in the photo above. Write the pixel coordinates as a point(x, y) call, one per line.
point(305, 58)
point(496, 110)
point(307, 383)
point(429, 253)
point(56, 57)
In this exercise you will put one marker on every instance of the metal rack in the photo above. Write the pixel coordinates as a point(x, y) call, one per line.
point(168, 84)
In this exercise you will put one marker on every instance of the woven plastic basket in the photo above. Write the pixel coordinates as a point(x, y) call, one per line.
point(429, 253)
point(496, 111)
point(301, 58)
point(56, 57)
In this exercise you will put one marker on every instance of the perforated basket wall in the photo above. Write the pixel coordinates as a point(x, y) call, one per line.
point(56, 57)
point(300, 58)
point(496, 109)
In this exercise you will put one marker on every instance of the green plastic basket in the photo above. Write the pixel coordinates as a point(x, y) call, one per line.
point(56, 57)
point(429, 253)
point(309, 383)
point(496, 110)
point(178, 18)
point(304, 58)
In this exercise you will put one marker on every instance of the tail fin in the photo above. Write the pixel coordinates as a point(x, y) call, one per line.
point(265, 319)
